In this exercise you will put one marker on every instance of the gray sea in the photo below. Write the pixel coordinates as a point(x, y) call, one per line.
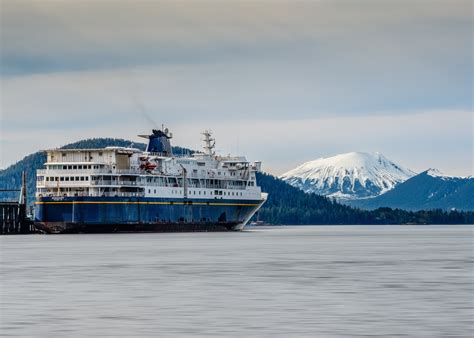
point(325, 281)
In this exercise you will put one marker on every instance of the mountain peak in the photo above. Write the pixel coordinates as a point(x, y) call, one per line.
point(348, 176)
point(348, 160)
point(434, 172)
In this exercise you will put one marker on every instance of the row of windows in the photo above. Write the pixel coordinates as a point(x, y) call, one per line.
point(67, 178)
point(64, 154)
point(193, 192)
point(219, 192)
point(75, 167)
point(197, 182)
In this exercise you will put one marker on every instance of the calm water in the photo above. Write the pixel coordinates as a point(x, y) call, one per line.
point(304, 281)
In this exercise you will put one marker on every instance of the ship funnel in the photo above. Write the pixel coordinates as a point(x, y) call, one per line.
point(159, 142)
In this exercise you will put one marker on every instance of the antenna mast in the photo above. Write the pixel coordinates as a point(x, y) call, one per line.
point(209, 142)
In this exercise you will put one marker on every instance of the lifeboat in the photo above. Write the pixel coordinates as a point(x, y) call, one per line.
point(148, 166)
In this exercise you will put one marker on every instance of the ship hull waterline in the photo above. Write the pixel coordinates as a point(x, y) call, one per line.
point(141, 214)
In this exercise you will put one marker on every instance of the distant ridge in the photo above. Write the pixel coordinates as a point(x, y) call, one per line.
point(350, 176)
point(429, 190)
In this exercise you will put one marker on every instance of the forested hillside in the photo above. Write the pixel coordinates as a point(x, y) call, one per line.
point(289, 205)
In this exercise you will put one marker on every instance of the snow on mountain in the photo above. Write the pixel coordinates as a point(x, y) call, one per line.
point(348, 176)
point(436, 173)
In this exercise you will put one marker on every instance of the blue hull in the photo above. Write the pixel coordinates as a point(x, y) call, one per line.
point(109, 214)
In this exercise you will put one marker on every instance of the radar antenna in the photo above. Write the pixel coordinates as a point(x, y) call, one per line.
point(209, 142)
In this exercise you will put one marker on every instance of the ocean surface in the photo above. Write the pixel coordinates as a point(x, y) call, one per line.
point(325, 281)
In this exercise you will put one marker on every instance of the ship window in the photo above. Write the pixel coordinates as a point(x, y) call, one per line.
point(155, 191)
point(77, 178)
point(63, 154)
point(82, 178)
point(87, 178)
point(67, 178)
point(61, 178)
point(100, 153)
point(56, 178)
point(199, 192)
point(88, 167)
point(149, 191)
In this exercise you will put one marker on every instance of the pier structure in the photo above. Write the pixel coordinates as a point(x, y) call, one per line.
point(13, 218)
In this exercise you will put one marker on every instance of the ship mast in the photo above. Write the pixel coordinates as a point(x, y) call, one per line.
point(209, 142)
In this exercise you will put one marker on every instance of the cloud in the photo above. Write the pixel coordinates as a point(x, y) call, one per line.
point(71, 70)
point(335, 57)
point(43, 36)
point(439, 139)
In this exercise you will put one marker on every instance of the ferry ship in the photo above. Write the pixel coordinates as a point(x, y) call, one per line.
point(120, 189)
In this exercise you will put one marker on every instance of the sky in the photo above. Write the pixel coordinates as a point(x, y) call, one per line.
point(283, 82)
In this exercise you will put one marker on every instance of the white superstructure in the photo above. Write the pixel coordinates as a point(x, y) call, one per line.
point(122, 172)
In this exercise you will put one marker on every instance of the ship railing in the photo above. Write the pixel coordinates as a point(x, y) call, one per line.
point(63, 172)
point(106, 182)
point(118, 194)
point(128, 171)
point(62, 184)
point(85, 194)
point(65, 184)
point(150, 184)
point(127, 183)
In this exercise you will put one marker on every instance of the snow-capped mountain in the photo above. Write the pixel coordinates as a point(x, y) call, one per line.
point(428, 190)
point(348, 176)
